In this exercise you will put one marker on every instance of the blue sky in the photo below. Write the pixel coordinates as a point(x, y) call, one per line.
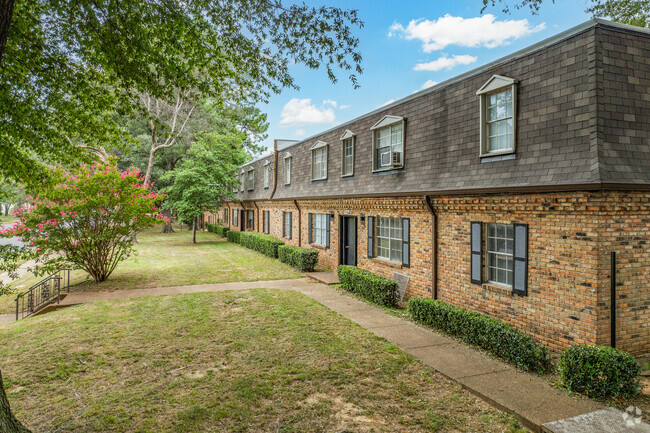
point(407, 45)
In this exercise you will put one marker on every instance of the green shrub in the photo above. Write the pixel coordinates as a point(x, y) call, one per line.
point(303, 259)
point(220, 230)
point(600, 371)
point(374, 288)
point(493, 335)
point(265, 244)
point(233, 236)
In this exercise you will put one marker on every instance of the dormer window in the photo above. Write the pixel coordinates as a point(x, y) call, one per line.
point(388, 143)
point(498, 115)
point(347, 153)
point(267, 174)
point(287, 169)
point(242, 181)
point(251, 179)
point(319, 161)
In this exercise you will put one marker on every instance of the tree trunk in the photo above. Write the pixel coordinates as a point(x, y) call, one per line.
point(8, 422)
point(194, 230)
point(6, 14)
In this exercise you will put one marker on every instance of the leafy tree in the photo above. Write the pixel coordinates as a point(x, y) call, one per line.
point(205, 178)
point(11, 195)
point(84, 218)
point(633, 12)
point(70, 69)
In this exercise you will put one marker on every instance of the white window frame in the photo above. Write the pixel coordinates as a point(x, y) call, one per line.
point(242, 181)
point(388, 123)
point(503, 264)
point(497, 84)
point(319, 232)
point(287, 223)
point(267, 174)
point(321, 148)
point(250, 218)
point(386, 231)
point(348, 137)
point(235, 218)
point(250, 178)
point(287, 169)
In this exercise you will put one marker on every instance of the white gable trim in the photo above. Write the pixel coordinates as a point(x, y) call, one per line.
point(287, 155)
point(318, 145)
point(347, 134)
point(496, 82)
point(387, 121)
point(267, 162)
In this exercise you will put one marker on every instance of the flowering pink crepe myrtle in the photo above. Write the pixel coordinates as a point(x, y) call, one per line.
point(86, 218)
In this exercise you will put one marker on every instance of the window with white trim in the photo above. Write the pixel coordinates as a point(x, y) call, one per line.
point(388, 143)
point(242, 182)
point(267, 174)
point(251, 179)
point(320, 233)
point(287, 170)
point(498, 115)
point(286, 224)
point(499, 253)
point(319, 161)
point(348, 157)
point(235, 217)
point(388, 238)
point(250, 219)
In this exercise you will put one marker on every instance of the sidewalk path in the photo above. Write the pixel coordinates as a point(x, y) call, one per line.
point(532, 399)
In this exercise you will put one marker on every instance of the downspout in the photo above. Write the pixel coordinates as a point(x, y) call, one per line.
point(434, 248)
point(295, 202)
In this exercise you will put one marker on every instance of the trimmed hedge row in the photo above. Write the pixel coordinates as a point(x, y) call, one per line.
point(600, 371)
point(374, 288)
point(233, 236)
point(303, 259)
point(265, 244)
point(220, 230)
point(488, 333)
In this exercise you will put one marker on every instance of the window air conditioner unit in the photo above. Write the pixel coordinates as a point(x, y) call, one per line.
point(396, 159)
point(385, 159)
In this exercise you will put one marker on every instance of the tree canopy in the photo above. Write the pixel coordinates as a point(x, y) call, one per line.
point(70, 68)
point(632, 12)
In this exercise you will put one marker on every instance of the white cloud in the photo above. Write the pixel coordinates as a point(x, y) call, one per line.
point(484, 31)
point(390, 101)
point(343, 107)
point(445, 62)
point(299, 112)
point(330, 102)
point(429, 83)
point(299, 132)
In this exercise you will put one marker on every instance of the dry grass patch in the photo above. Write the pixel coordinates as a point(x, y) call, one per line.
point(238, 361)
point(164, 260)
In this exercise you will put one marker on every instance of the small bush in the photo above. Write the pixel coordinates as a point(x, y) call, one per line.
point(600, 371)
point(374, 288)
point(493, 335)
point(303, 259)
point(220, 230)
point(265, 244)
point(233, 236)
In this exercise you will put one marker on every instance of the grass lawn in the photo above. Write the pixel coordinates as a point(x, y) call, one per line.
point(236, 361)
point(172, 260)
point(9, 219)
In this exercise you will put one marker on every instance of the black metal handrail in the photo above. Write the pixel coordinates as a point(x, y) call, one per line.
point(42, 293)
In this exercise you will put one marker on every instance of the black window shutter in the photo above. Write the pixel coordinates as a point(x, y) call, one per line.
point(309, 228)
point(520, 262)
point(477, 252)
point(406, 243)
point(327, 241)
point(290, 214)
point(268, 221)
point(284, 224)
point(371, 236)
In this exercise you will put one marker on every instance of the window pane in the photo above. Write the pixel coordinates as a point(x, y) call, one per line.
point(499, 261)
point(388, 238)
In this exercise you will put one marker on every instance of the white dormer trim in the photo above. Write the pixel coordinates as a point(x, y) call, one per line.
point(287, 155)
point(496, 82)
point(387, 121)
point(267, 162)
point(251, 169)
point(347, 134)
point(318, 145)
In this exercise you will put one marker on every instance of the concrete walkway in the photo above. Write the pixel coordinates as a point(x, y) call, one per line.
point(532, 399)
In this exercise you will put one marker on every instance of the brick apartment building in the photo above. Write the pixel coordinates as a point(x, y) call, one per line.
point(504, 190)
